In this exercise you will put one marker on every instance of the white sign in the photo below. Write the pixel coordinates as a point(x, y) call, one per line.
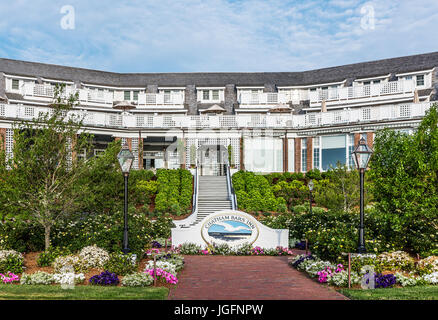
point(233, 228)
point(230, 228)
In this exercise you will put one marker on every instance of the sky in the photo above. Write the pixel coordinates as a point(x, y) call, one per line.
point(215, 35)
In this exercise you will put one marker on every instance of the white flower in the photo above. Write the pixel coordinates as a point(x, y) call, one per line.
point(405, 281)
point(431, 278)
point(68, 278)
point(139, 279)
point(166, 266)
point(93, 257)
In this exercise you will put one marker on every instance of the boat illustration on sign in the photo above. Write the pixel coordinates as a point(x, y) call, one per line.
point(229, 230)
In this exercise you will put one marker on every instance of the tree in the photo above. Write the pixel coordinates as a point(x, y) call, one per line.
point(341, 191)
point(44, 171)
point(404, 171)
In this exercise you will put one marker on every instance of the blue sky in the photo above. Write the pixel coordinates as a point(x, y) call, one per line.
point(216, 35)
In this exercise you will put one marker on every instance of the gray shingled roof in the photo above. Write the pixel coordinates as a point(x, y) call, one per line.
point(326, 75)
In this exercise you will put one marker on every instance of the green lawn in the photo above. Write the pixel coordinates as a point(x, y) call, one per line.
point(407, 293)
point(88, 292)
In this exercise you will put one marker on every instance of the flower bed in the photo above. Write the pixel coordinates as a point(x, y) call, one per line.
point(225, 249)
point(388, 270)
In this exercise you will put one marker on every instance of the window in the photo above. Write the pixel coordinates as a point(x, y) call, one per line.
point(15, 84)
point(304, 155)
point(408, 77)
point(376, 81)
point(127, 95)
point(205, 95)
point(333, 151)
point(366, 83)
point(420, 80)
point(215, 94)
point(316, 153)
point(136, 95)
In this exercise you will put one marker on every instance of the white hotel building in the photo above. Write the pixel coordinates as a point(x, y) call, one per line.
point(274, 121)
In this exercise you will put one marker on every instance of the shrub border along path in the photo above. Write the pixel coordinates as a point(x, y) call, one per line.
point(246, 278)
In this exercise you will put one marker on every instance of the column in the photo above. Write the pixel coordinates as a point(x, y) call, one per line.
point(242, 158)
point(3, 139)
point(285, 155)
point(309, 153)
point(297, 154)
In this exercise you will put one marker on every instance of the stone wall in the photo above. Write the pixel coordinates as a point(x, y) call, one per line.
point(190, 100)
point(230, 98)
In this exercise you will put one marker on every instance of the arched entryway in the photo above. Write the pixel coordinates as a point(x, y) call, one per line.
point(212, 160)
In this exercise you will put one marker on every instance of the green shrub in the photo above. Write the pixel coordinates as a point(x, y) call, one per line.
point(105, 231)
point(221, 249)
point(139, 279)
point(243, 250)
point(46, 258)
point(121, 264)
point(189, 248)
point(11, 261)
point(21, 236)
point(39, 277)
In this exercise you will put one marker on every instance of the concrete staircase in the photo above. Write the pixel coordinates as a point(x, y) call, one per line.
point(212, 196)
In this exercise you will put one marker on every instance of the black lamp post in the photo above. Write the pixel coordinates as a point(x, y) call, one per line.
point(125, 158)
point(362, 154)
point(310, 185)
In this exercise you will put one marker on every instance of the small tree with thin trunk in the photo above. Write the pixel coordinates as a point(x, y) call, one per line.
point(44, 170)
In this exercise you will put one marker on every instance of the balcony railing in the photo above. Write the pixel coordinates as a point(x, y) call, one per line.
point(265, 98)
point(363, 91)
point(310, 120)
point(43, 90)
point(160, 99)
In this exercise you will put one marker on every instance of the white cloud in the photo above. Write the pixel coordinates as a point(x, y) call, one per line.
point(215, 35)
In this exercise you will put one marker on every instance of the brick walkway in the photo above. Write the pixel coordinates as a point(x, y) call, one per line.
point(246, 278)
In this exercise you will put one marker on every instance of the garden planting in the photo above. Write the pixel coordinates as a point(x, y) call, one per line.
point(93, 266)
point(78, 232)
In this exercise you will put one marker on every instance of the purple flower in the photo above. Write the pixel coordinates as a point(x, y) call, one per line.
point(106, 278)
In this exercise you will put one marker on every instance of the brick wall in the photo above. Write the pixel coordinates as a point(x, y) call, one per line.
point(309, 153)
point(297, 154)
point(370, 140)
point(2, 138)
point(285, 155)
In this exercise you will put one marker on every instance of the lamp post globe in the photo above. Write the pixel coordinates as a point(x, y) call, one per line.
point(125, 158)
point(310, 185)
point(361, 156)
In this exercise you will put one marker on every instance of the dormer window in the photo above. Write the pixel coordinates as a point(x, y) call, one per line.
point(210, 95)
point(135, 93)
point(420, 80)
point(127, 95)
point(15, 84)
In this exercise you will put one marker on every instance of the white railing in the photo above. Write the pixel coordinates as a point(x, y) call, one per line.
point(265, 98)
point(160, 99)
point(316, 119)
point(43, 90)
point(365, 114)
point(363, 91)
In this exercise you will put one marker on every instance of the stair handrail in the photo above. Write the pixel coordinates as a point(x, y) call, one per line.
point(195, 191)
point(231, 193)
